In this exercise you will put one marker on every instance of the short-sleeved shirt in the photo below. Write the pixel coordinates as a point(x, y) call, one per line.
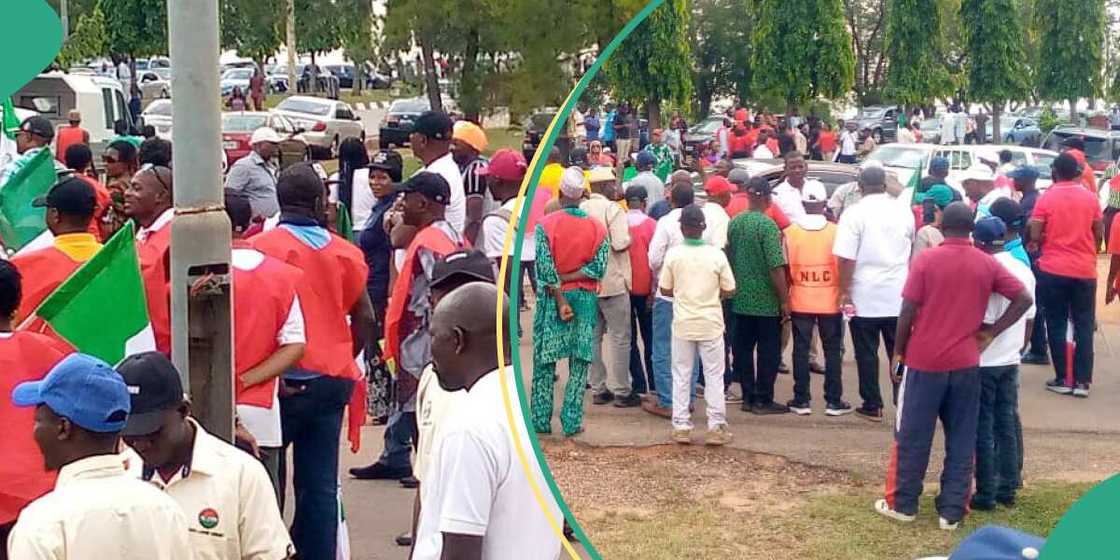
point(951, 285)
point(754, 247)
point(1004, 350)
point(878, 234)
point(433, 404)
point(256, 179)
point(696, 273)
point(1067, 211)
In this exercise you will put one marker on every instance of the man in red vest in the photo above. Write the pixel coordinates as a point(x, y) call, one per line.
point(148, 202)
point(70, 135)
point(24, 356)
point(268, 335)
point(314, 393)
point(70, 206)
point(407, 320)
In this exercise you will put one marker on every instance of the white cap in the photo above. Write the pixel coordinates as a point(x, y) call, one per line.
point(813, 191)
point(265, 134)
point(572, 182)
point(978, 172)
point(601, 175)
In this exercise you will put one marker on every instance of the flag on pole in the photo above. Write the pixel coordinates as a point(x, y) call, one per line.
point(11, 121)
point(342, 222)
point(915, 180)
point(101, 309)
point(20, 222)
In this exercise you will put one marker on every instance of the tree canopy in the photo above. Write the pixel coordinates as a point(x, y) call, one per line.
point(1071, 38)
point(654, 64)
point(915, 49)
point(800, 50)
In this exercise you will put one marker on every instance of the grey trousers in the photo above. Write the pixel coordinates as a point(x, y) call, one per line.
point(614, 322)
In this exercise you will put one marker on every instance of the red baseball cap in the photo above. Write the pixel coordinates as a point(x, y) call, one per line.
point(505, 164)
point(717, 185)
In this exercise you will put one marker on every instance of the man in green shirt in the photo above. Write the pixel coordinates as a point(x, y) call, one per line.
point(761, 303)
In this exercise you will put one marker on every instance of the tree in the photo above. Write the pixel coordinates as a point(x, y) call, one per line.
point(915, 50)
point(86, 41)
point(1071, 36)
point(135, 27)
point(720, 35)
point(996, 62)
point(866, 20)
point(356, 34)
point(654, 65)
point(317, 30)
point(252, 27)
point(801, 50)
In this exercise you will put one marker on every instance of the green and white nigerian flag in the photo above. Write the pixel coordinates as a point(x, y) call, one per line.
point(101, 309)
point(20, 223)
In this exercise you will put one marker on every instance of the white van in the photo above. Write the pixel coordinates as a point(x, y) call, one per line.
point(101, 101)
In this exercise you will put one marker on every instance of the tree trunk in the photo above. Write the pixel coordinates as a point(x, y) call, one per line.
point(997, 134)
point(431, 81)
point(470, 86)
point(1073, 112)
point(705, 99)
point(313, 86)
point(290, 39)
point(653, 107)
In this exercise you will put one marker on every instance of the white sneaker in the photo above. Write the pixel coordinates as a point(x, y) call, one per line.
point(682, 436)
point(947, 526)
point(885, 510)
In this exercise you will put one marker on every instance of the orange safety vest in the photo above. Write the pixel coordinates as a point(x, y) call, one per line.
point(814, 275)
point(155, 268)
point(43, 271)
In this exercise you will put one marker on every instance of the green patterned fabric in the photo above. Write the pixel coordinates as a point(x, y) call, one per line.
point(754, 246)
point(571, 412)
point(664, 157)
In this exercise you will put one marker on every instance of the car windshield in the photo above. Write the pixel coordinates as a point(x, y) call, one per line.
point(871, 113)
point(898, 156)
point(243, 123)
point(238, 74)
point(708, 126)
point(159, 108)
point(1096, 148)
point(163, 73)
point(304, 106)
point(409, 106)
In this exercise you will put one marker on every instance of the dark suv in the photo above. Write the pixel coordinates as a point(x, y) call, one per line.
point(397, 123)
point(1102, 147)
point(882, 120)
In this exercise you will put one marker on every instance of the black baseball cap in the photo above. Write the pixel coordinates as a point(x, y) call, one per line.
point(71, 195)
point(636, 192)
point(467, 265)
point(154, 387)
point(431, 185)
point(759, 186)
point(39, 126)
point(692, 215)
point(388, 161)
point(433, 124)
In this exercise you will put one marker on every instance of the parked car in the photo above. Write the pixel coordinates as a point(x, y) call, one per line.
point(931, 130)
point(344, 73)
point(326, 122)
point(1102, 147)
point(1021, 131)
point(236, 77)
point(238, 127)
point(535, 127)
point(158, 114)
point(831, 174)
point(882, 120)
point(155, 84)
point(101, 101)
point(1020, 155)
point(701, 134)
point(397, 123)
point(376, 79)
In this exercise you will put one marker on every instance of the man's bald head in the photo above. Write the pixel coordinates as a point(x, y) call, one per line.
point(680, 177)
point(464, 334)
point(957, 220)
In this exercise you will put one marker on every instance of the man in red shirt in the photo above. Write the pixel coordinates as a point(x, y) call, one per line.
point(70, 135)
point(79, 158)
point(1068, 227)
point(641, 288)
point(148, 202)
point(314, 393)
point(739, 202)
point(937, 352)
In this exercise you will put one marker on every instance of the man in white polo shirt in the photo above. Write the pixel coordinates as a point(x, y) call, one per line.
point(431, 143)
point(873, 243)
point(225, 493)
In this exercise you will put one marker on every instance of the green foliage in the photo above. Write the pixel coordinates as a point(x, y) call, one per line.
point(800, 50)
point(254, 28)
point(135, 27)
point(87, 40)
point(654, 64)
point(916, 52)
point(317, 27)
point(1071, 36)
point(994, 39)
point(720, 35)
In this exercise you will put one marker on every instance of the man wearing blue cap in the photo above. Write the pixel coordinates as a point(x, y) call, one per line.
point(81, 407)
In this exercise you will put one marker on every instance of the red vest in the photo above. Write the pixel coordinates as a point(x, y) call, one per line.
point(428, 238)
point(262, 300)
point(641, 275)
point(24, 356)
point(42, 271)
point(155, 266)
point(100, 206)
point(581, 240)
point(65, 137)
point(334, 278)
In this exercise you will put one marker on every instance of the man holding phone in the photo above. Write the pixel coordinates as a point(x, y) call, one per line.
point(940, 335)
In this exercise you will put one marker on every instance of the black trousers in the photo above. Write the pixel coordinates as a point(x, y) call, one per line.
point(1070, 299)
point(764, 335)
point(641, 363)
point(866, 332)
point(1038, 334)
point(832, 342)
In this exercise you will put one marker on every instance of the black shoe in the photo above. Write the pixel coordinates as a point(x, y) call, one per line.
point(747, 406)
point(981, 506)
point(603, 398)
point(816, 368)
point(838, 408)
point(410, 482)
point(771, 407)
point(1036, 359)
point(1006, 502)
point(783, 368)
point(629, 401)
point(404, 539)
point(377, 471)
point(873, 414)
point(1058, 387)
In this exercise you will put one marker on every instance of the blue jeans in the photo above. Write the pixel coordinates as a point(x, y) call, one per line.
point(663, 356)
point(400, 433)
point(312, 425)
point(997, 442)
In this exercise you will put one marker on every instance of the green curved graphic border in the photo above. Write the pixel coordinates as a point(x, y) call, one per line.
point(32, 28)
point(515, 267)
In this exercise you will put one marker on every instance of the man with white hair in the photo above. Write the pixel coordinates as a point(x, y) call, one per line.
point(255, 175)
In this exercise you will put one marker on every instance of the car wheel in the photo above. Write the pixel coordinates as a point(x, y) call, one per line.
point(877, 135)
point(334, 147)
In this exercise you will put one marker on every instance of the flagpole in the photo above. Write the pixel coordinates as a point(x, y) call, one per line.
point(202, 339)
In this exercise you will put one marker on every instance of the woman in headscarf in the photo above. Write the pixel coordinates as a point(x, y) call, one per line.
point(596, 157)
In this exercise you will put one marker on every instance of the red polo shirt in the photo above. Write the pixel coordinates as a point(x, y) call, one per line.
point(952, 283)
point(1067, 212)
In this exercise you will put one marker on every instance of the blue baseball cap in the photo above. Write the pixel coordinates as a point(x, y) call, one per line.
point(939, 163)
point(82, 388)
point(989, 231)
point(646, 159)
point(998, 543)
point(1025, 172)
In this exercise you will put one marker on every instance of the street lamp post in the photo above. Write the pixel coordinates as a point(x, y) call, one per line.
point(201, 326)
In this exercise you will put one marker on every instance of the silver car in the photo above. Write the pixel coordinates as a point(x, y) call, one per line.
point(158, 114)
point(155, 84)
point(235, 77)
point(325, 122)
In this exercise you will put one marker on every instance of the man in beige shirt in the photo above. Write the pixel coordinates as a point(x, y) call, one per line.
point(612, 383)
point(96, 510)
point(697, 276)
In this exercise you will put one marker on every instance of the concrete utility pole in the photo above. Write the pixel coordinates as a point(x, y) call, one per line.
point(63, 14)
point(202, 337)
point(291, 41)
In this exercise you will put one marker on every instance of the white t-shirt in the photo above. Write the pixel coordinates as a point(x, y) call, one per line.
point(668, 234)
point(361, 198)
point(494, 230)
point(847, 143)
point(878, 234)
point(789, 199)
point(456, 213)
point(433, 404)
point(475, 483)
point(697, 275)
point(762, 152)
point(1004, 350)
